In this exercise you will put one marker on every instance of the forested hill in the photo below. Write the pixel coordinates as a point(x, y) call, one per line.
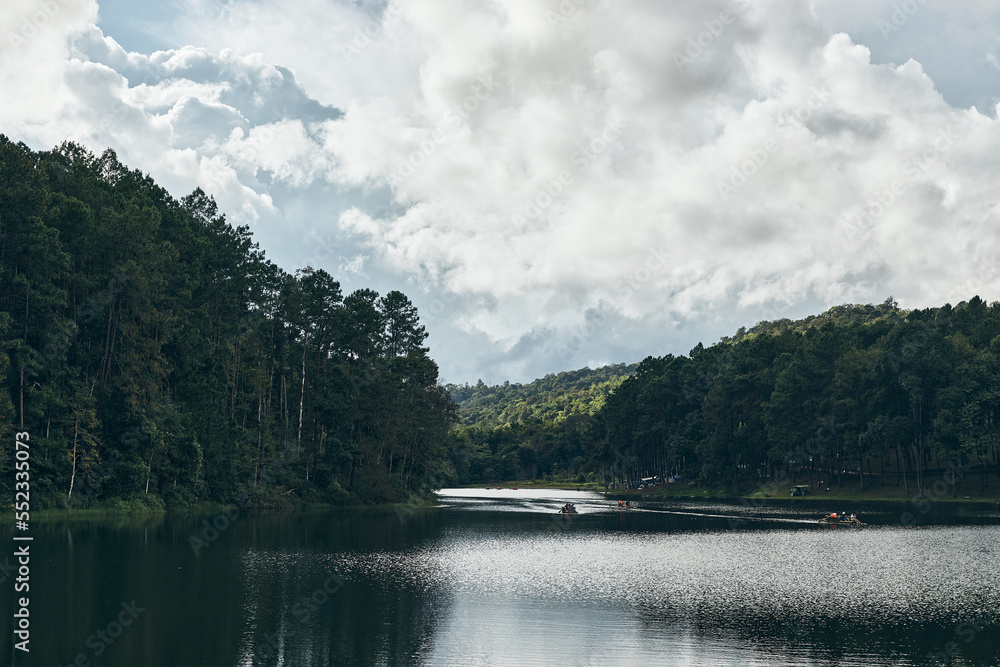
point(156, 357)
point(860, 396)
point(551, 398)
point(540, 429)
point(841, 316)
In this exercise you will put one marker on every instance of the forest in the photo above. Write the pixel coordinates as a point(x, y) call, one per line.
point(865, 394)
point(158, 359)
point(541, 429)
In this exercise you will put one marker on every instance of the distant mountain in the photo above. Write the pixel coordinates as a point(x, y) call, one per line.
point(552, 398)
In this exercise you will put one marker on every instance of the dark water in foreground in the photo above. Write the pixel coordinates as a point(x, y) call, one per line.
point(498, 578)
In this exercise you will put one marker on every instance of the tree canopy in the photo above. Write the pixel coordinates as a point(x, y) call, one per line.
point(156, 355)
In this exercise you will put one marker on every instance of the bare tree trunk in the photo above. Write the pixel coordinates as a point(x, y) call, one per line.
point(72, 477)
point(260, 439)
point(902, 466)
point(302, 401)
point(284, 412)
point(149, 466)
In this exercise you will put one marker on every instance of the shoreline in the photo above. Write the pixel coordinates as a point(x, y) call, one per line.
point(766, 493)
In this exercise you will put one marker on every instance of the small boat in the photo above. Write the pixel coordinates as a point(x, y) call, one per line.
point(834, 519)
point(568, 508)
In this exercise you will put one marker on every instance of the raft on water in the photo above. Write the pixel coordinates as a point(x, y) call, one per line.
point(834, 519)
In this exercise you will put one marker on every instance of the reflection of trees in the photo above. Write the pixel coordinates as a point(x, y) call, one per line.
point(310, 602)
point(823, 639)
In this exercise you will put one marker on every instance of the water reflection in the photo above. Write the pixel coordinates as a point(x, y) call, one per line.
point(499, 578)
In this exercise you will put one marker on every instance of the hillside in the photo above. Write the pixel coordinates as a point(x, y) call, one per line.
point(539, 429)
point(157, 358)
point(552, 398)
point(858, 397)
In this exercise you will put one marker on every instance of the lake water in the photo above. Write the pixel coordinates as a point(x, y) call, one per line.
point(499, 578)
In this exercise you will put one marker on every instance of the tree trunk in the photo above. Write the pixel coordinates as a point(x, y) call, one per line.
point(302, 401)
point(902, 467)
point(72, 477)
point(149, 466)
point(898, 464)
point(861, 472)
point(284, 414)
point(920, 450)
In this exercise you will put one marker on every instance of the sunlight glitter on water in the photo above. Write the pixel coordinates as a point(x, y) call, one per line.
point(536, 588)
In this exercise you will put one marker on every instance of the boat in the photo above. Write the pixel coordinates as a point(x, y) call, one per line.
point(568, 508)
point(834, 519)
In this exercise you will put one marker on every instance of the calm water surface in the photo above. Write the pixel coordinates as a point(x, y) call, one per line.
point(499, 578)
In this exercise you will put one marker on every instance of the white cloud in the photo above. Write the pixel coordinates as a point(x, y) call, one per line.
point(567, 180)
point(754, 162)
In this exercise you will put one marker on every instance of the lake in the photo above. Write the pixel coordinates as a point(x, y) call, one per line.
point(494, 577)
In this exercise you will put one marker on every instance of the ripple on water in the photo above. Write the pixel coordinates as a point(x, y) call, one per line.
point(886, 575)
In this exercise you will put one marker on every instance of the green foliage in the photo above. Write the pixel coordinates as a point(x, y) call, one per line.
point(157, 357)
point(820, 397)
point(541, 429)
point(802, 401)
point(553, 398)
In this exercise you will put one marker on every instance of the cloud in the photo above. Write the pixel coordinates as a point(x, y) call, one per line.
point(542, 165)
point(563, 182)
point(230, 123)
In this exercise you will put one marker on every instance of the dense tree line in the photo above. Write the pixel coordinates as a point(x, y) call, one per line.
point(860, 394)
point(535, 430)
point(855, 392)
point(155, 355)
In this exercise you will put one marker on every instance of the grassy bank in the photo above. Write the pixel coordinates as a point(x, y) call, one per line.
point(137, 508)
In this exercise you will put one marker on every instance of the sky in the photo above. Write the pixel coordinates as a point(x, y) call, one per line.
point(554, 183)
